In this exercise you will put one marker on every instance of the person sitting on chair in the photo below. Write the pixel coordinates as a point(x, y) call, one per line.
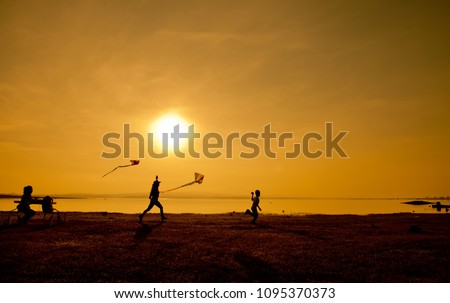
point(47, 207)
point(24, 205)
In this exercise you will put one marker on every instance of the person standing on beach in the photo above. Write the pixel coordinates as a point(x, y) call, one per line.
point(24, 205)
point(154, 195)
point(255, 206)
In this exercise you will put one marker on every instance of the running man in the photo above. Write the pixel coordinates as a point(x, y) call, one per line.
point(154, 195)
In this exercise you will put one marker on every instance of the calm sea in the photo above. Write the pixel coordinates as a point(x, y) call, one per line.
point(217, 206)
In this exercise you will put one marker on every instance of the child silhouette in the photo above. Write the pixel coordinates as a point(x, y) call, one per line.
point(255, 206)
point(24, 205)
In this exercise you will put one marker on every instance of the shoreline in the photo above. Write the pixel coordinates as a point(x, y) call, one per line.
point(224, 206)
point(155, 212)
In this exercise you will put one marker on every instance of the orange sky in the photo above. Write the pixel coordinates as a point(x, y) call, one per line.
point(72, 71)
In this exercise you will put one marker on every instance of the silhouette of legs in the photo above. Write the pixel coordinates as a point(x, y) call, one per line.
point(253, 213)
point(141, 216)
point(161, 210)
point(150, 206)
point(28, 214)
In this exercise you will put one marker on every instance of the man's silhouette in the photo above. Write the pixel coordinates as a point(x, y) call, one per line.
point(154, 195)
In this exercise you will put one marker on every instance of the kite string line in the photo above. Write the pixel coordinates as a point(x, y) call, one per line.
point(187, 184)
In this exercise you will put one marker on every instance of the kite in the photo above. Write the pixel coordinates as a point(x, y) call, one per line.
point(198, 179)
point(133, 162)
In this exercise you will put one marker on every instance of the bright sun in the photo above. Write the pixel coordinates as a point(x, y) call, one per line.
point(166, 125)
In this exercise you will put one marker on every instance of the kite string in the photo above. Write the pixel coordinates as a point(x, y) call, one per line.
point(187, 184)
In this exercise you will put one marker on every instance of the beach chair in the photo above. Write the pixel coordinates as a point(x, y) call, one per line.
point(48, 209)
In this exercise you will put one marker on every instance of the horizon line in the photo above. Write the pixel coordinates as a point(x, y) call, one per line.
point(216, 196)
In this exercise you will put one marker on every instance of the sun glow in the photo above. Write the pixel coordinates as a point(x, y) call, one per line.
point(165, 126)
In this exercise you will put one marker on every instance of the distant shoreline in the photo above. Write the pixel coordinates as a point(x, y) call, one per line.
point(13, 196)
point(144, 195)
point(105, 213)
point(298, 207)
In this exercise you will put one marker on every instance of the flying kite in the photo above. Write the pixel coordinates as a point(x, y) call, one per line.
point(198, 178)
point(133, 162)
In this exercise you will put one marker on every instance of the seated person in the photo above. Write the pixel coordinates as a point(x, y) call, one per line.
point(24, 205)
point(47, 207)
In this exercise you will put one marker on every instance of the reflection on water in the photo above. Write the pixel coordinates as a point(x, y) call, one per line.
point(214, 206)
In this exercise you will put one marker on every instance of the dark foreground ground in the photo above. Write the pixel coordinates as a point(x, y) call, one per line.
point(93, 247)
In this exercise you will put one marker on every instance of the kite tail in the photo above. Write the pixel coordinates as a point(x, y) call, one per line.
point(187, 184)
point(109, 172)
point(117, 168)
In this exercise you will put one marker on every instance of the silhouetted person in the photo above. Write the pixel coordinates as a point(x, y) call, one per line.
point(154, 195)
point(24, 205)
point(47, 207)
point(255, 206)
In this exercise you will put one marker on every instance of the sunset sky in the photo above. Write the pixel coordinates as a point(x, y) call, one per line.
point(73, 71)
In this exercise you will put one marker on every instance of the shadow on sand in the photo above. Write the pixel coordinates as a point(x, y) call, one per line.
point(145, 230)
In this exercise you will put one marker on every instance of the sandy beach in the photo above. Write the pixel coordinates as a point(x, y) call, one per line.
point(113, 247)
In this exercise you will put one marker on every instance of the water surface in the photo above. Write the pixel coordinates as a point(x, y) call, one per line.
point(226, 205)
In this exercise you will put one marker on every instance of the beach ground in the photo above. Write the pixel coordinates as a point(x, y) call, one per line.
point(112, 247)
